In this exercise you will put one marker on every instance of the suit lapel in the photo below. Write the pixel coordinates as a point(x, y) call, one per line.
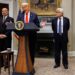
point(30, 17)
point(5, 19)
point(23, 19)
point(63, 22)
point(56, 22)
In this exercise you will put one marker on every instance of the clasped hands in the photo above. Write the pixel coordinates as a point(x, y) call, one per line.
point(2, 36)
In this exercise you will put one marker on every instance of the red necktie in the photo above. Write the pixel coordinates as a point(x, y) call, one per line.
point(26, 19)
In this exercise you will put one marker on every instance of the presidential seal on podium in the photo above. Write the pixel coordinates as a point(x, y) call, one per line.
point(19, 25)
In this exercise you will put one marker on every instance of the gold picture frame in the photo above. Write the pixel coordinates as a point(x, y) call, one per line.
point(45, 7)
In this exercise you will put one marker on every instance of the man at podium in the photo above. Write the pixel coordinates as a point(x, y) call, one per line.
point(29, 17)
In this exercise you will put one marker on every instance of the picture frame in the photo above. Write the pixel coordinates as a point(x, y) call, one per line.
point(44, 7)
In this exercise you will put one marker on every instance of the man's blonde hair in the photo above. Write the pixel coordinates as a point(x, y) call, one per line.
point(25, 4)
point(60, 10)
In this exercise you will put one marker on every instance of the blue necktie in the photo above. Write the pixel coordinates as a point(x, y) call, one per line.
point(60, 26)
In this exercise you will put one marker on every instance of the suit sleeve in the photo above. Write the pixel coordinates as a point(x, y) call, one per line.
point(8, 32)
point(36, 21)
point(12, 20)
point(19, 16)
point(53, 25)
point(68, 25)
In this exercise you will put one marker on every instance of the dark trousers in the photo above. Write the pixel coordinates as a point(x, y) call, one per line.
point(8, 40)
point(4, 44)
point(2, 48)
point(32, 43)
point(61, 46)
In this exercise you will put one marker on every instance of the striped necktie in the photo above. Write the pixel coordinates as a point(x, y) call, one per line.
point(60, 26)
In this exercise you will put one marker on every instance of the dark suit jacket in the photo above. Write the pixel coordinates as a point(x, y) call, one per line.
point(7, 41)
point(3, 24)
point(66, 26)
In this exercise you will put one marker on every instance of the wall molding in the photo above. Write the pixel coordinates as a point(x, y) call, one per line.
point(71, 53)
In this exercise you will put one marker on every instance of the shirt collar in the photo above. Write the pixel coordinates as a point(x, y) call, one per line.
point(28, 13)
point(61, 17)
point(5, 16)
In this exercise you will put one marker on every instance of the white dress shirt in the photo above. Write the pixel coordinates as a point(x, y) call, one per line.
point(4, 18)
point(61, 25)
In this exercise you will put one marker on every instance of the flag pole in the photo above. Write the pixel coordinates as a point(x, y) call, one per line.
point(29, 2)
point(19, 3)
point(59, 3)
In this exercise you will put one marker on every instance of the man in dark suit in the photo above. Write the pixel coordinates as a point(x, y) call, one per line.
point(5, 36)
point(27, 16)
point(60, 26)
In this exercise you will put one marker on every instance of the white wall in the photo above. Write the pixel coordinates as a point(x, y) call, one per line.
point(67, 6)
point(73, 24)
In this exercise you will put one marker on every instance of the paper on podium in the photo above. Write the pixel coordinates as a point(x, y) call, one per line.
point(4, 51)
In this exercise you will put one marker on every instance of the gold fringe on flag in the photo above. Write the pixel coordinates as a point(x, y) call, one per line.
point(59, 3)
point(29, 2)
point(19, 3)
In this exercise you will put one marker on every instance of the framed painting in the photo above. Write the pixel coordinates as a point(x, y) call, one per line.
point(44, 7)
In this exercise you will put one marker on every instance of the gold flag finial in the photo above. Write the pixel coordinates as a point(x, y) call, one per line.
point(29, 2)
point(19, 3)
point(59, 3)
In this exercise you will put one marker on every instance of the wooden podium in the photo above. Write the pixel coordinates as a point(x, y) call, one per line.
point(23, 65)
